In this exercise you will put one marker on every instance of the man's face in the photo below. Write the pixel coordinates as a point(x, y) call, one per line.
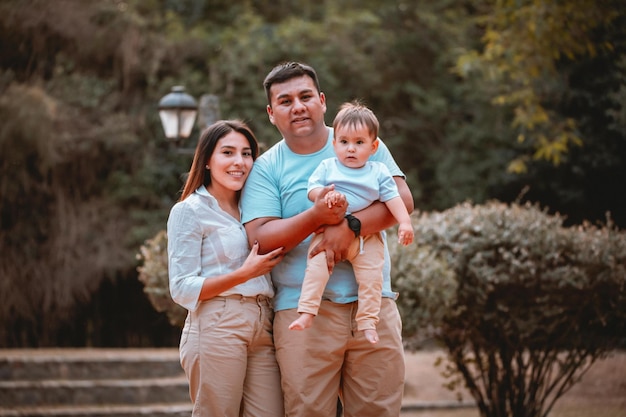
point(297, 109)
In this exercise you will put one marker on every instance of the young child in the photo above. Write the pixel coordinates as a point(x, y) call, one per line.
point(360, 182)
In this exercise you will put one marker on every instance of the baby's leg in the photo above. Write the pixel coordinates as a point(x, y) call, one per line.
point(315, 278)
point(368, 271)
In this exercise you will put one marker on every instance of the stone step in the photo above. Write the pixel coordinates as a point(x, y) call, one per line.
point(83, 364)
point(117, 383)
point(106, 410)
point(93, 383)
point(97, 391)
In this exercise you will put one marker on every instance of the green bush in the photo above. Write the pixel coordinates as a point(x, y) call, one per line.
point(153, 274)
point(522, 304)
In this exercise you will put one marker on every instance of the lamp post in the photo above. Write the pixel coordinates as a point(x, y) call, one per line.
point(178, 111)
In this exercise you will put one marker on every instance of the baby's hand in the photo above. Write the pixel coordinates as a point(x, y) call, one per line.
point(335, 198)
point(328, 214)
point(405, 234)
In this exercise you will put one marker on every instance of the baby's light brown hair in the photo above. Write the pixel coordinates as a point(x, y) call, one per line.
point(354, 114)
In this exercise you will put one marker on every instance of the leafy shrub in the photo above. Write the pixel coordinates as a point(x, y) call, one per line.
point(522, 304)
point(154, 276)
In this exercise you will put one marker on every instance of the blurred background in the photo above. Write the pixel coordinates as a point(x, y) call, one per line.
point(478, 100)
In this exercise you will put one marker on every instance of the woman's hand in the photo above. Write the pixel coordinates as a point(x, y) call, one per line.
point(256, 264)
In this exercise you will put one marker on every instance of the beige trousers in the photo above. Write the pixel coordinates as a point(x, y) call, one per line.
point(227, 352)
point(332, 357)
point(367, 263)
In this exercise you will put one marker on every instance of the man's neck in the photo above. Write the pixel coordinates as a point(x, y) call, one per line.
point(305, 145)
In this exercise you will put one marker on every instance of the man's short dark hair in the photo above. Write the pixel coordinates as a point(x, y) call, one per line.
point(285, 72)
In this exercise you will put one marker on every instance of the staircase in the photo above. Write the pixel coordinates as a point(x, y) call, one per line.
point(92, 383)
point(145, 382)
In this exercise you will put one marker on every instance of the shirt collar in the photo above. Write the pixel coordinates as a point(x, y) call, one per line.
point(205, 194)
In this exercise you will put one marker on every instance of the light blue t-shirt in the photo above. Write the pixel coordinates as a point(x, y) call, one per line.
point(277, 187)
point(361, 186)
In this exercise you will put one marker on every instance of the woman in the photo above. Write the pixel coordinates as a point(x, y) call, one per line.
point(226, 347)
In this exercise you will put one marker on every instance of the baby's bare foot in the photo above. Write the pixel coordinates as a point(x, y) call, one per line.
point(371, 335)
point(303, 322)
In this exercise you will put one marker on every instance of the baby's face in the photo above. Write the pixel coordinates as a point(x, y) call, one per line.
point(354, 145)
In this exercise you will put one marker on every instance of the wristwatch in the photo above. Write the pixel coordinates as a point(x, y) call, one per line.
point(354, 224)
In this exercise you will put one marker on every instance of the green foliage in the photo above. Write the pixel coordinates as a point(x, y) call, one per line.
point(153, 274)
point(523, 304)
point(81, 144)
point(55, 219)
point(427, 287)
point(526, 48)
point(617, 111)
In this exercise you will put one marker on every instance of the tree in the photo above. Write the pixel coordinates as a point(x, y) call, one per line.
point(82, 150)
point(71, 179)
point(523, 305)
point(529, 49)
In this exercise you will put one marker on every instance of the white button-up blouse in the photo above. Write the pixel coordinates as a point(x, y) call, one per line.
point(203, 242)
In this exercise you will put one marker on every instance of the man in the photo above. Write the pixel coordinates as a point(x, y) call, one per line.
point(331, 357)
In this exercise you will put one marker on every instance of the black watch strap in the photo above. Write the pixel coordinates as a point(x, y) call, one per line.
point(354, 224)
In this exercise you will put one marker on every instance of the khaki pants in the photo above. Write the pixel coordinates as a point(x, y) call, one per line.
point(332, 356)
point(227, 352)
point(367, 263)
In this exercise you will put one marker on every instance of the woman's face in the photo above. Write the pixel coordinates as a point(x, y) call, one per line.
point(230, 163)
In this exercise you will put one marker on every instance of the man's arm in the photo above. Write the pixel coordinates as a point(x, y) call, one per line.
point(374, 219)
point(274, 232)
